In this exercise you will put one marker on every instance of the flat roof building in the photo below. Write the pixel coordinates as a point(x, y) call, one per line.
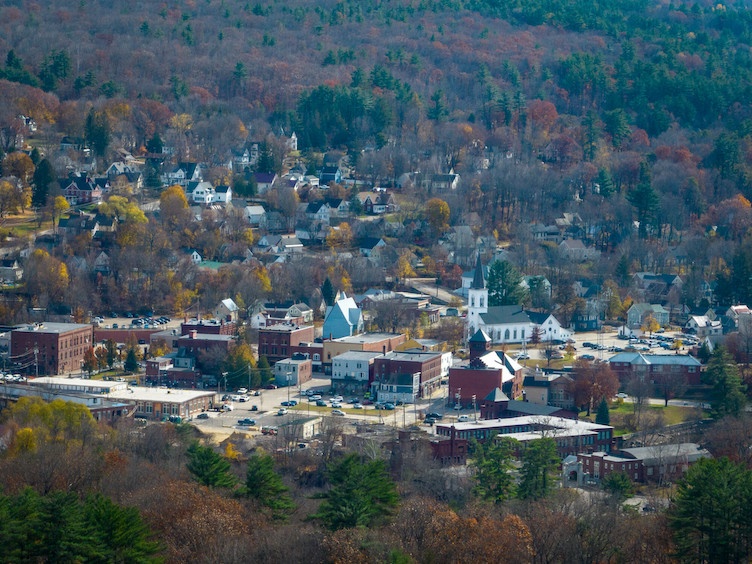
point(51, 348)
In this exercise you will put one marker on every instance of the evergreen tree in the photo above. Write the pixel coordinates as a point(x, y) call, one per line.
point(618, 485)
point(155, 144)
point(265, 371)
point(504, 285)
point(131, 360)
point(538, 474)
point(645, 201)
point(722, 374)
point(710, 514)
point(362, 494)
point(98, 132)
point(603, 417)
point(44, 178)
point(328, 292)
point(493, 461)
point(209, 468)
point(265, 485)
point(606, 183)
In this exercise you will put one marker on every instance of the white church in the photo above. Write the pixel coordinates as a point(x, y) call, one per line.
point(509, 324)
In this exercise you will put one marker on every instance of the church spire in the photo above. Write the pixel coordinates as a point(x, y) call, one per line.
point(479, 281)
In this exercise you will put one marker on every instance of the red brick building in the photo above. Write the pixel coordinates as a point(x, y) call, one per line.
point(51, 348)
point(208, 327)
point(393, 364)
point(482, 376)
point(654, 367)
point(277, 342)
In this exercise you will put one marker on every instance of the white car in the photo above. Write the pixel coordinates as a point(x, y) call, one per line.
point(622, 395)
point(314, 397)
point(336, 404)
point(463, 418)
point(338, 412)
point(227, 407)
point(339, 399)
point(282, 411)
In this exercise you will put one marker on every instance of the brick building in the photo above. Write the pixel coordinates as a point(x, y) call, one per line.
point(654, 367)
point(656, 463)
point(276, 342)
point(368, 342)
point(51, 348)
point(427, 363)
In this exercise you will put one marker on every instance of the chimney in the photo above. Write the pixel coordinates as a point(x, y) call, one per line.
point(193, 333)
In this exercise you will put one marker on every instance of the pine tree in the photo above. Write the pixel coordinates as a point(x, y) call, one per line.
point(264, 484)
point(504, 285)
point(265, 370)
point(131, 360)
point(208, 467)
point(603, 417)
point(362, 494)
point(539, 463)
point(710, 515)
point(327, 291)
point(493, 466)
point(722, 374)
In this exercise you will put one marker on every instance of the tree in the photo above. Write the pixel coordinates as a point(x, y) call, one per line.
point(437, 215)
point(111, 347)
point(618, 485)
point(98, 131)
point(264, 485)
point(538, 474)
point(593, 382)
point(603, 417)
point(328, 292)
point(265, 370)
point(722, 373)
point(131, 360)
point(650, 324)
point(90, 361)
point(504, 286)
point(173, 207)
point(44, 178)
point(362, 494)
point(340, 237)
point(493, 461)
point(239, 365)
point(19, 165)
point(710, 513)
point(45, 275)
point(208, 467)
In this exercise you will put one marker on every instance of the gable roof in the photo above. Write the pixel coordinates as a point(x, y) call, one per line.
point(502, 315)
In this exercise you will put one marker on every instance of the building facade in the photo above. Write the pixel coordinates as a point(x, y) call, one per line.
point(51, 348)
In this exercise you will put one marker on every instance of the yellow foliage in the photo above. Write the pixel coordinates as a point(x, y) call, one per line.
point(231, 453)
point(263, 277)
point(24, 441)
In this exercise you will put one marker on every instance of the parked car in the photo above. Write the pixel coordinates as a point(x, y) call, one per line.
point(320, 403)
point(271, 386)
point(587, 357)
point(336, 404)
point(622, 395)
point(434, 415)
point(338, 412)
point(523, 356)
point(357, 406)
point(338, 398)
point(227, 407)
point(282, 411)
point(463, 418)
point(389, 406)
point(202, 416)
point(314, 397)
point(290, 403)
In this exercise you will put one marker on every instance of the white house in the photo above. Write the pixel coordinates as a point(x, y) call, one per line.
point(222, 195)
point(255, 215)
point(202, 193)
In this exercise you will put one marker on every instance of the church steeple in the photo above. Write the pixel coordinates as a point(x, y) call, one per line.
point(479, 281)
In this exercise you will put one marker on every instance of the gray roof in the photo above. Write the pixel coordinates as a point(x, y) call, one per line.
point(48, 327)
point(496, 396)
point(529, 408)
point(662, 359)
point(499, 315)
point(478, 281)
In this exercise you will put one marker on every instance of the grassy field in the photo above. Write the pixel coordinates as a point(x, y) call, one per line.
point(623, 419)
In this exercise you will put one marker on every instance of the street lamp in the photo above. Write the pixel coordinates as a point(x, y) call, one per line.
point(475, 413)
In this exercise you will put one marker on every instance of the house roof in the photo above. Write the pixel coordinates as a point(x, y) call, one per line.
point(529, 408)
point(230, 304)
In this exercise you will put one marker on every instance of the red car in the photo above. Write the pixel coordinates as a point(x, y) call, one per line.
point(367, 402)
point(271, 386)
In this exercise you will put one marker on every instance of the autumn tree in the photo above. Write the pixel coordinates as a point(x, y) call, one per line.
point(173, 207)
point(340, 237)
point(240, 365)
point(90, 361)
point(20, 166)
point(593, 382)
point(45, 275)
point(437, 215)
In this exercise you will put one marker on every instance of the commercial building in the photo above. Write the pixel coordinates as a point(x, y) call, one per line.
point(158, 403)
point(277, 342)
point(51, 348)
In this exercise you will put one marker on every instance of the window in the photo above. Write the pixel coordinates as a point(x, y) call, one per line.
point(506, 335)
point(472, 301)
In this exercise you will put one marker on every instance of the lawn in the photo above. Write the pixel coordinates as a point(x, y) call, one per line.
point(622, 415)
